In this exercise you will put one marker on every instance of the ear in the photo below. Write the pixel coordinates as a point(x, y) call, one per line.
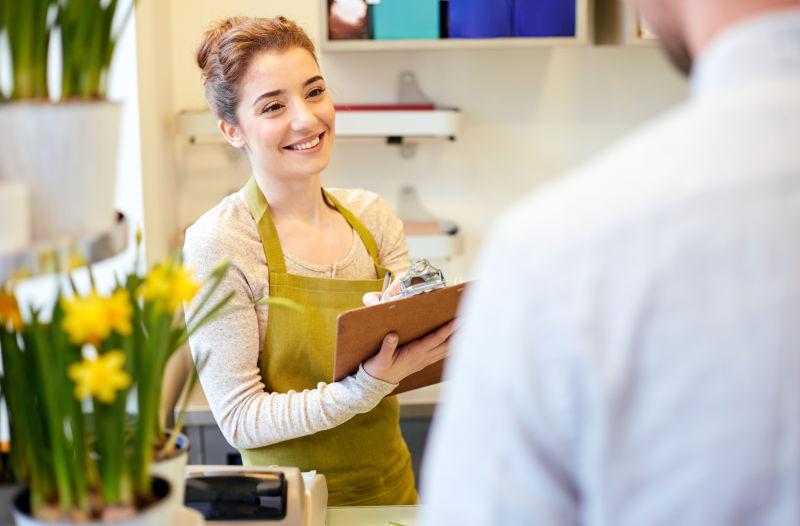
point(232, 133)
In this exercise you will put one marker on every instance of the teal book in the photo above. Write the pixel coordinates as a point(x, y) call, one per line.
point(405, 19)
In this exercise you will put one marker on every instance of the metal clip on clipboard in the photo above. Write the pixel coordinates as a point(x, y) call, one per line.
point(422, 277)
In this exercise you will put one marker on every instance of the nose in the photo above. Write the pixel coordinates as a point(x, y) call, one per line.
point(302, 117)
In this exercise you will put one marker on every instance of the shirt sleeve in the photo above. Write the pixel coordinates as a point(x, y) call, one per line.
point(226, 351)
point(502, 439)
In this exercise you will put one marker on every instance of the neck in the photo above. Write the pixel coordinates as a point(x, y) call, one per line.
point(705, 19)
point(296, 200)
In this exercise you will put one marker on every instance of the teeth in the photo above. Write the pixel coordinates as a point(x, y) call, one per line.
point(306, 145)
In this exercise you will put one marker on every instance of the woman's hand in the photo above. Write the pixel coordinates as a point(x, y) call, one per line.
point(371, 298)
point(392, 364)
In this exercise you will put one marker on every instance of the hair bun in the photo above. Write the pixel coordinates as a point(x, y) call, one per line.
point(209, 44)
point(227, 48)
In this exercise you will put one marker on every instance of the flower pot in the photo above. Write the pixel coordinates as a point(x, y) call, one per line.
point(67, 155)
point(173, 469)
point(160, 512)
point(7, 493)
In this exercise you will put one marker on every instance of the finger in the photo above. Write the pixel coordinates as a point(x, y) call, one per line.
point(441, 334)
point(392, 290)
point(371, 298)
point(389, 344)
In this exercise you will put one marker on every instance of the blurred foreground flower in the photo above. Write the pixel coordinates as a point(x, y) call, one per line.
point(100, 378)
point(168, 285)
point(91, 318)
point(9, 312)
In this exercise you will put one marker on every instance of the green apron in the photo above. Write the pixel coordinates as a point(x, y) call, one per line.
point(365, 460)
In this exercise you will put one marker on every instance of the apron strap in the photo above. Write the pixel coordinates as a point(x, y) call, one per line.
point(266, 228)
point(276, 262)
point(361, 230)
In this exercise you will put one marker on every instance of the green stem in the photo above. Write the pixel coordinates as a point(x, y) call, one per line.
point(58, 442)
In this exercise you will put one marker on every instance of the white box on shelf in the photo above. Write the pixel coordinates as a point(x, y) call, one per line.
point(437, 246)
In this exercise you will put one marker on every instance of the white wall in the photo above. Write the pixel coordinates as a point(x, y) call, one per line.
point(530, 115)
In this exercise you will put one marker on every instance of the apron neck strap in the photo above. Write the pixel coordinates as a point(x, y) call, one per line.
point(273, 252)
point(258, 206)
point(361, 230)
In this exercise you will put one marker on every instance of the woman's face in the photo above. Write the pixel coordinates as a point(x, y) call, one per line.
point(286, 118)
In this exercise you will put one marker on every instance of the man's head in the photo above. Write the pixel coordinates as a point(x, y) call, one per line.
point(666, 19)
point(686, 27)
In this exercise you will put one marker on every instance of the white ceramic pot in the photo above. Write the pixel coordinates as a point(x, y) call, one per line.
point(174, 469)
point(160, 512)
point(67, 155)
point(7, 493)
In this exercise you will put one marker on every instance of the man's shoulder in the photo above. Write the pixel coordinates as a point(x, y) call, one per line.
point(632, 178)
point(698, 151)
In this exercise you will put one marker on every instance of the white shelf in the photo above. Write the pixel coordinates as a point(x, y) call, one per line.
point(52, 256)
point(201, 126)
point(440, 246)
point(435, 123)
point(583, 36)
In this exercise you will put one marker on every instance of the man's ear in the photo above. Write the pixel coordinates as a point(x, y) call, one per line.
point(232, 134)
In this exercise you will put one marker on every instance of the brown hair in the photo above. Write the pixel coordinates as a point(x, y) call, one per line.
point(227, 47)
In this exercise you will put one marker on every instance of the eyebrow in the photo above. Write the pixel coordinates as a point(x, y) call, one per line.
point(280, 91)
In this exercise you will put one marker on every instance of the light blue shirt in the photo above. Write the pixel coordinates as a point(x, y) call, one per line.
point(631, 352)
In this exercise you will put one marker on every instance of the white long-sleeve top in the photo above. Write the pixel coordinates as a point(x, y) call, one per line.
point(229, 347)
point(630, 354)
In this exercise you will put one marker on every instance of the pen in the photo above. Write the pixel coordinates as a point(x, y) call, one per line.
point(386, 281)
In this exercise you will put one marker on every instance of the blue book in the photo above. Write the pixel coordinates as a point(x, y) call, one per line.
point(544, 18)
point(480, 18)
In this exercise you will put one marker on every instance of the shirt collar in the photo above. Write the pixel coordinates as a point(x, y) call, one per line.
point(764, 47)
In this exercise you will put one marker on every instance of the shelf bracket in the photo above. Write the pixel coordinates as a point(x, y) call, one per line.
point(407, 149)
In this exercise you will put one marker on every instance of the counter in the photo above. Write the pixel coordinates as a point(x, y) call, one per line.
point(419, 403)
point(372, 515)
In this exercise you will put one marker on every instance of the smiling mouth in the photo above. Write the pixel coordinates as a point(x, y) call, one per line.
point(307, 145)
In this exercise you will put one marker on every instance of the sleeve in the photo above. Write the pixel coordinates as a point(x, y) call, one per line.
point(502, 440)
point(227, 352)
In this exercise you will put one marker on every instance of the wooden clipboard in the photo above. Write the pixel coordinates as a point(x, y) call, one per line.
point(360, 331)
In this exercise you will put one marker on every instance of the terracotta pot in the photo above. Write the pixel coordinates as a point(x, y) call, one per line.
point(67, 156)
point(160, 512)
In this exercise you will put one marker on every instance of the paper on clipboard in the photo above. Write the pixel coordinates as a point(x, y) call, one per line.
point(360, 332)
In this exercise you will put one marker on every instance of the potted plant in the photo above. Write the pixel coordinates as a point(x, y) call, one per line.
point(68, 376)
point(8, 486)
point(62, 145)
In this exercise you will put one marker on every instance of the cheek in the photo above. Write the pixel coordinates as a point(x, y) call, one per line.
point(327, 115)
point(272, 133)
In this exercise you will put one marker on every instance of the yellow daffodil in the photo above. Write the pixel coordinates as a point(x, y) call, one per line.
point(91, 318)
point(120, 311)
point(100, 378)
point(86, 319)
point(9, 311)
point(169, 285)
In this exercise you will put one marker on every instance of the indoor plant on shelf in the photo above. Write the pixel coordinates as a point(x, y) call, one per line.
point(68, 374)
point(62, 145)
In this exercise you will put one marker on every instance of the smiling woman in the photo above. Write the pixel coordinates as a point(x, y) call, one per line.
point(266, 368)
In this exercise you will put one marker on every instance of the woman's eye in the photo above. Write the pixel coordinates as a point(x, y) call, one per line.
point(316, 92)
point(272, 108)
